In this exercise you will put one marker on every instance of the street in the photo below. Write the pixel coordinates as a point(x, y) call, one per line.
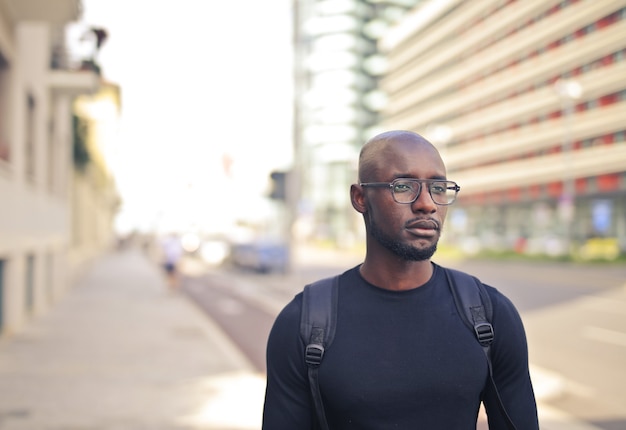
point(575, 318)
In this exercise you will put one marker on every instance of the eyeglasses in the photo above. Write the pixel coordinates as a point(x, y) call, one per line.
point(407, 191)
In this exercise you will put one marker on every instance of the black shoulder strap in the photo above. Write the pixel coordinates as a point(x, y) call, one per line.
point(318, 321)
point(474, 306)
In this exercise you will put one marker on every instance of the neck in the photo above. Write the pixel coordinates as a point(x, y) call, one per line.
point(396, 274)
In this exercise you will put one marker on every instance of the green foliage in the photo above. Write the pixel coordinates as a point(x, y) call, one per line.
point(81, 154)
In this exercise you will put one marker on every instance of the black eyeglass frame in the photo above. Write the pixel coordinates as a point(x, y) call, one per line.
point(452, 186)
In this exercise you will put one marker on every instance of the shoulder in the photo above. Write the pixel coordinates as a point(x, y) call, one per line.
point(510, 338)
point(290, 314)
point(507, 323)
point(502, 306)
point(293, 309)
point(284, 345)
point(493, 293)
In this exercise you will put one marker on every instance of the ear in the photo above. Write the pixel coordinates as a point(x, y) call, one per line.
point(357, 197)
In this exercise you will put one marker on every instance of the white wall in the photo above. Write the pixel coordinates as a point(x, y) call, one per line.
point(35, 218)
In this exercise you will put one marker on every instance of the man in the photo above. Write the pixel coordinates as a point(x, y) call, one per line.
point(401, 358)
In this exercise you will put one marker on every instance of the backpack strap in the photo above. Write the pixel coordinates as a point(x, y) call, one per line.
point(318, 321)
point(474, 307)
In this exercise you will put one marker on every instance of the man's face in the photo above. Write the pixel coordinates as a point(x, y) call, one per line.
point(410, 231)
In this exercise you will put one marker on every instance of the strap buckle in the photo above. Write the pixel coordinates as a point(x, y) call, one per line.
point(313, 354)
point(484, 333)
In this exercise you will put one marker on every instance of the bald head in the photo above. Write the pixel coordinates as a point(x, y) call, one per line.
point(376, 150)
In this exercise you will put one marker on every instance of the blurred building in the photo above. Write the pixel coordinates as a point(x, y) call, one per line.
point(95, 198)
point(38, 84)
point(527, 102)
point(337, 68)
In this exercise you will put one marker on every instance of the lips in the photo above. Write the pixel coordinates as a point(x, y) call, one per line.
point(423, 224)
point(426, 228)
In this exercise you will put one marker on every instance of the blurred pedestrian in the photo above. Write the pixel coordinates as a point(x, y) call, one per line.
point(402, 357)
point(172, 252)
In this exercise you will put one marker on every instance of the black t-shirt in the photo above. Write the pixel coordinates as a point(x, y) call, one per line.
point(399, 360)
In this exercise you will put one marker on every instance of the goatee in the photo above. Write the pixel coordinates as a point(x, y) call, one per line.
point(404, 251)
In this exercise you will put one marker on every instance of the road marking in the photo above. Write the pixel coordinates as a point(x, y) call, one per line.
point(604, 335)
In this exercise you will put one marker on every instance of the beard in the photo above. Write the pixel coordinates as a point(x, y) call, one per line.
point(402, 250)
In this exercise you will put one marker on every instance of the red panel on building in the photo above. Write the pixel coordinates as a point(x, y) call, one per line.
point(473, 199)
point(608, 182)
point(607, 100)
point(555, 189)
point(581, 185)
point(534, 191)
point(514, 194)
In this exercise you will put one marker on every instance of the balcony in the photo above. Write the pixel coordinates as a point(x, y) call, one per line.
point(53, 11)
point(74, 82)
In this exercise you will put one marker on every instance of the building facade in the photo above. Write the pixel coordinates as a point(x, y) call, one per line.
point(527, 103)
point(38, 85)
point(95, 200)
point(337, 68)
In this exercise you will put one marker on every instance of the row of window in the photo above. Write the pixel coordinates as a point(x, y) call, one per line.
point(54, 177)
point(607, 139)
point(578, 33)
point(5, 150)
point(29, 124)
point(2, 289)
point(599, 102)
point(603, 184)
point(605, 61)
point(29, 284)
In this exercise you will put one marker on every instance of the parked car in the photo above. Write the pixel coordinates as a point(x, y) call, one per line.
point(261, 255)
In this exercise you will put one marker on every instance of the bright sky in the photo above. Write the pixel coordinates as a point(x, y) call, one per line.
point(199, 79)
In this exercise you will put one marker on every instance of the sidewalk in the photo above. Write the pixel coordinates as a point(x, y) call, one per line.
point(120, 352)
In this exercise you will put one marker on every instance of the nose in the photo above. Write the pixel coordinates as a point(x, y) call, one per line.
point(424, 202)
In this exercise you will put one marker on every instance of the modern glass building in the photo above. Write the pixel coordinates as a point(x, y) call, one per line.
point(337, 68)
point(527, 102)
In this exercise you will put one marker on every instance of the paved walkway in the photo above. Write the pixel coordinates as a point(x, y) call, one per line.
point(120, 352)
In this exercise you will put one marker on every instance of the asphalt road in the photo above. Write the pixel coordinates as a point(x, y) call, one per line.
point(575, 318)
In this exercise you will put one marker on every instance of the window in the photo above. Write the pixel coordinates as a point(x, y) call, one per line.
point(2, 270)
point(50, 278)
point(29, 137)
point(29, 298)
point(5, 149)
point(52, 156)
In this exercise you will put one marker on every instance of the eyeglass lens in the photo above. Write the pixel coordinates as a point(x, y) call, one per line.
point(442, 192)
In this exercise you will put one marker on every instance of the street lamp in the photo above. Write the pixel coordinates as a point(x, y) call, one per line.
point(569, 92)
